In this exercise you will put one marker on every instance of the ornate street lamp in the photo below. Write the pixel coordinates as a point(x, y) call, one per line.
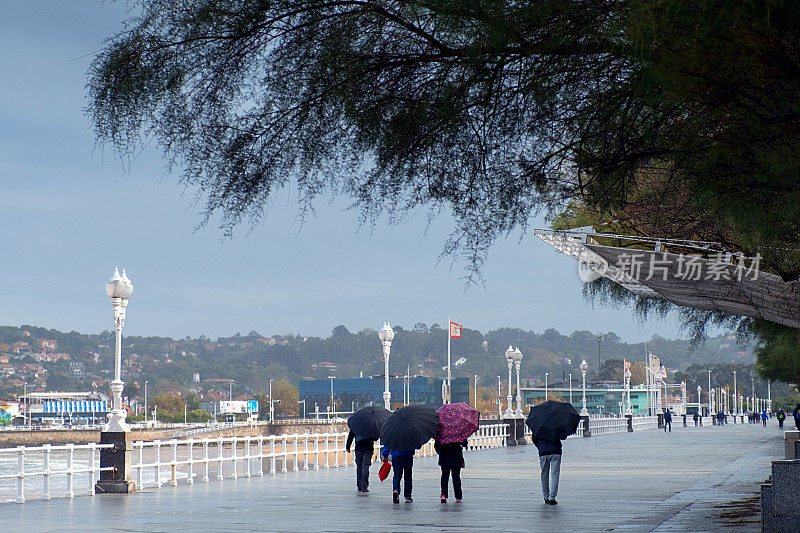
point(510, 359)
point(119, 289)
point(628, 392)
point(584, 368)
point(545, 385)
point(711, 402)
point(517, 361)
point(387, 336)
point(699, 405)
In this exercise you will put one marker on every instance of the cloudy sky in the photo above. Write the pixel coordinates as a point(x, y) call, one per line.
point(69, 213)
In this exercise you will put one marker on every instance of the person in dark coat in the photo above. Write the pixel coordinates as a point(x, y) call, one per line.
point(781, 416)
point(550, 464)
point(365, 447)
point(796, 416)
point(451, 459)
point(668, 420)
point(402, 464)
point(695, 419)
point(764, 417)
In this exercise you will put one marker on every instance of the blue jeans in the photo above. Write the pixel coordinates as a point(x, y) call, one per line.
point(551, 471)
point(402, 465)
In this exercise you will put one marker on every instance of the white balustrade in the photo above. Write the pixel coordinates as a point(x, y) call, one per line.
point(237, 454)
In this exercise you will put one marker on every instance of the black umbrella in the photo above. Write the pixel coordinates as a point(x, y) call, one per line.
point(553, 420)
point(409, 427)
point(367, 422)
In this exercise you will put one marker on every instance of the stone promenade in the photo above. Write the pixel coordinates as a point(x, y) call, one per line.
point(692, 479)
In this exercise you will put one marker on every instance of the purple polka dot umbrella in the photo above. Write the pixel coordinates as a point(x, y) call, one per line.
point(457, 421)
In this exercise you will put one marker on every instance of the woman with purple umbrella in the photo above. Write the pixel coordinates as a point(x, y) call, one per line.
point(457, 421)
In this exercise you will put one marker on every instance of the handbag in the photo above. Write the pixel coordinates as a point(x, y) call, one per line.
point(383, 473)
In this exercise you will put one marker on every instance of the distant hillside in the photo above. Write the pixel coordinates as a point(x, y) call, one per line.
point(253, 359)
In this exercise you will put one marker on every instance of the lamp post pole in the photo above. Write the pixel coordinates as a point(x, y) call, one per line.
point(710, 395)
point(711, 401)
point(584, 367)
point(119, 289)
point(510, 359)
point(272, 404)
point(699, 405)
point(25, 402)
point(304, 407)
point(545, 385)
point(499, 399)
point(333, 403)
point(769, 397)
point(476, 391)
point(628, 392)
point(145, 402)
point(517, 361)
point(387, 336)
point(735, 395)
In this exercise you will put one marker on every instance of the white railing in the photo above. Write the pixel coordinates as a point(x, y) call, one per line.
point(645, 422)
point(43, 464)
point(158, 462)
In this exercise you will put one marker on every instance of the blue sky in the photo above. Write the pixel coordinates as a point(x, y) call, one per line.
point(69, 214)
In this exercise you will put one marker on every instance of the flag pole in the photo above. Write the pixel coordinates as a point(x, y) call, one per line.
point(447, 400)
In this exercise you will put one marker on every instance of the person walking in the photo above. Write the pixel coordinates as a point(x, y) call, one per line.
point(781, 416)
point(550, 465)
point(668, 420)
point(796, 416)
point(695, 420)
point(764, 417)
point(402, 464)
point(451, 459)
point(364, 449)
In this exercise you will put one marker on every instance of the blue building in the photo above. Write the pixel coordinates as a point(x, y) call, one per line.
point(354, 393)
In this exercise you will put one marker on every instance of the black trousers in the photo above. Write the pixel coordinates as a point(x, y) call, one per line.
point(363, 460)
point(668, 423)
point(456, 473)
point(402, 465)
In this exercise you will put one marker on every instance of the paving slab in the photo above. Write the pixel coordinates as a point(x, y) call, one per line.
point(692, 479)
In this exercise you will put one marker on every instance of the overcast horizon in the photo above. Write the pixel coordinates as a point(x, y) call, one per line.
point(69, 214)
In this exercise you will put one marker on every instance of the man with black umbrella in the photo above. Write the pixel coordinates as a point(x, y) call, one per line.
point(550, 463)
point(365, 447)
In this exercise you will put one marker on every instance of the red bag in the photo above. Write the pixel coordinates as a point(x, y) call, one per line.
point(384, 471)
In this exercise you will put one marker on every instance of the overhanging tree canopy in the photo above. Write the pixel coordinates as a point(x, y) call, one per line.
point(493, 109)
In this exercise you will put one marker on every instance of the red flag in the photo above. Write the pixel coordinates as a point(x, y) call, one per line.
point(455, 330)
point(627, 365)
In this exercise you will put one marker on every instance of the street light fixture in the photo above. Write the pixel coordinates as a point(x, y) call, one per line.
point(499, 399)
point(517, 361)
point(271, 404)
point(584, 367)
point(304, 407)
point(510, 359)
point(387, 336)
point(119, 289)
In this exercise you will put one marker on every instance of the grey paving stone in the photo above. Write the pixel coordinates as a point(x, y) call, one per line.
point(693, 479)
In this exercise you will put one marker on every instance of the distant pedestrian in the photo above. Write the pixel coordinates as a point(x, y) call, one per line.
point(764, 417)
point(451, 459)
point(550, 464)
point(796, 416)
point(402, 464)
point(365, 447)
point(781, 416)
point(668, 420)
point(695, 419)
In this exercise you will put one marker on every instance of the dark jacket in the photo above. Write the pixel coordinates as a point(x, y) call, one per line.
point(385, 451)
point(363, 444)
point(668, 416)
point(450, 454)
point(548, 447)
